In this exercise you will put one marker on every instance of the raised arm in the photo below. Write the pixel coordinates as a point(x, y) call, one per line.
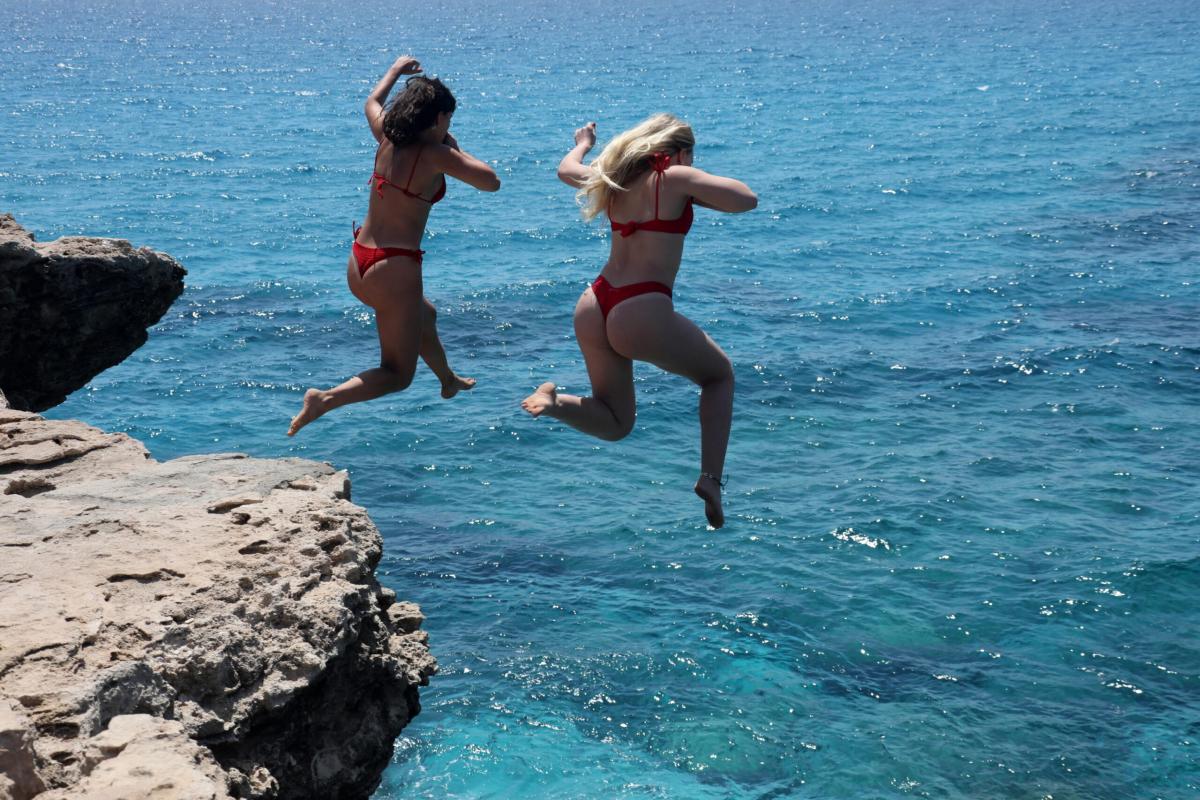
point(571, 170)
point(453, 161)
point(715, 192)
point(405, 65)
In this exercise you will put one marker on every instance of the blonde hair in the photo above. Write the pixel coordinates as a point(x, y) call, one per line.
point(628, 155)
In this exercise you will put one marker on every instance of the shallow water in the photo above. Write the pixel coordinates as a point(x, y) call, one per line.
point(963, 542)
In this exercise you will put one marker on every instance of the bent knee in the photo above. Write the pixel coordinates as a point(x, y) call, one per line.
point(722, 372)
point(398, 378)
point(619, 431)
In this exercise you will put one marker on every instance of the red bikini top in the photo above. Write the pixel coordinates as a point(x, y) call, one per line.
point(680, 225)
point(380, 180)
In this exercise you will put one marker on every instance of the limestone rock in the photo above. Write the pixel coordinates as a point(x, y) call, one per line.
point(210, 610)
point(72, 308)
point(145, 757)
point(18, 773)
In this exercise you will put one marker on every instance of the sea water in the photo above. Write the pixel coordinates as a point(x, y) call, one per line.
point(962, 556)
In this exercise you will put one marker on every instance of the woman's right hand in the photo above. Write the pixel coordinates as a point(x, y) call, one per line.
point(571, 170)
point(586, 135)
point(407, 65)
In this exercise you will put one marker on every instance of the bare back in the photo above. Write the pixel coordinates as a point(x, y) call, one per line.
point(396, 219)
point(646, 255)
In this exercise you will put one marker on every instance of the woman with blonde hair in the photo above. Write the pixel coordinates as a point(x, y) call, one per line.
point(645, 182)
point(416, 152)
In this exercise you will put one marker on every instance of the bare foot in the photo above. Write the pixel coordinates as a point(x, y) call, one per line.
point(314, 406)
point(457, 385)
point(541, 401)
point(709, 490)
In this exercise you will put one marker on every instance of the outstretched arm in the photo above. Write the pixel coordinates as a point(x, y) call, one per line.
point(715, 192)
point(405, 65)
point(453, 161)
point(571, 170)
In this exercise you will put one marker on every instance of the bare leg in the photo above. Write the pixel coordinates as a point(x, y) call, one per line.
point(610, 412)
point(395, 287)
point(648, 329)
point(434, 355)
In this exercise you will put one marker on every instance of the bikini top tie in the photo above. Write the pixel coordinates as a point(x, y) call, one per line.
point(681, 225)
point(379, 181)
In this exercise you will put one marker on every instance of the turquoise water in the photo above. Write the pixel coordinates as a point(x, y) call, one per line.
point(963, 549)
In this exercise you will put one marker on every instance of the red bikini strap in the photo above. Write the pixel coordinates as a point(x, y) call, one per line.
point(412, 171)
point(658, 176)
point(659, 161)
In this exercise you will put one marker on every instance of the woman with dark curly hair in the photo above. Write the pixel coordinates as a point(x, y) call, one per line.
point(416, 152)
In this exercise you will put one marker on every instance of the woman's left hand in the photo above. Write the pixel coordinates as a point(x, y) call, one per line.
point(407, 65)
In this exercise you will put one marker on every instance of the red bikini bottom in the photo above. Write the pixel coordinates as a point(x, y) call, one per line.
point(368, 256)
point(609, 296)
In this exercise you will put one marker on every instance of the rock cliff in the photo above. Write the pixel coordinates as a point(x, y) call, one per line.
point(205, 627)
point(72, 308)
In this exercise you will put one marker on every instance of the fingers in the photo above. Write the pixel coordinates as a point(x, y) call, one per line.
point(407, 65)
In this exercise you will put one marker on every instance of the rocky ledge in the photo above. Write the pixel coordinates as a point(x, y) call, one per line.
point(205, 627)
point(72, 308)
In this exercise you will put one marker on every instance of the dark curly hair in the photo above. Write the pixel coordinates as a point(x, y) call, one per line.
point(415, 109)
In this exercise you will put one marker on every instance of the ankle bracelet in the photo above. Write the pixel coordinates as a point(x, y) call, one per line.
point(715, 479)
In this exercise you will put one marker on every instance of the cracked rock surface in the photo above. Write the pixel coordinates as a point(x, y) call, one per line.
point(205, 627)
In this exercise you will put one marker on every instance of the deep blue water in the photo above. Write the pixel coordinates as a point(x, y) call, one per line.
point(963, 549)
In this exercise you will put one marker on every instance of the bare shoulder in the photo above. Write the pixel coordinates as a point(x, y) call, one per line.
point(684, 174)
point(384, 153)
point(713, 191)
point(439, 155)
point(685, 180)
point(454, 162)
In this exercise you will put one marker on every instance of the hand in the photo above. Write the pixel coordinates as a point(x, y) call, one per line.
point(407, 65)
point(586, 135)
point(451, 142)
